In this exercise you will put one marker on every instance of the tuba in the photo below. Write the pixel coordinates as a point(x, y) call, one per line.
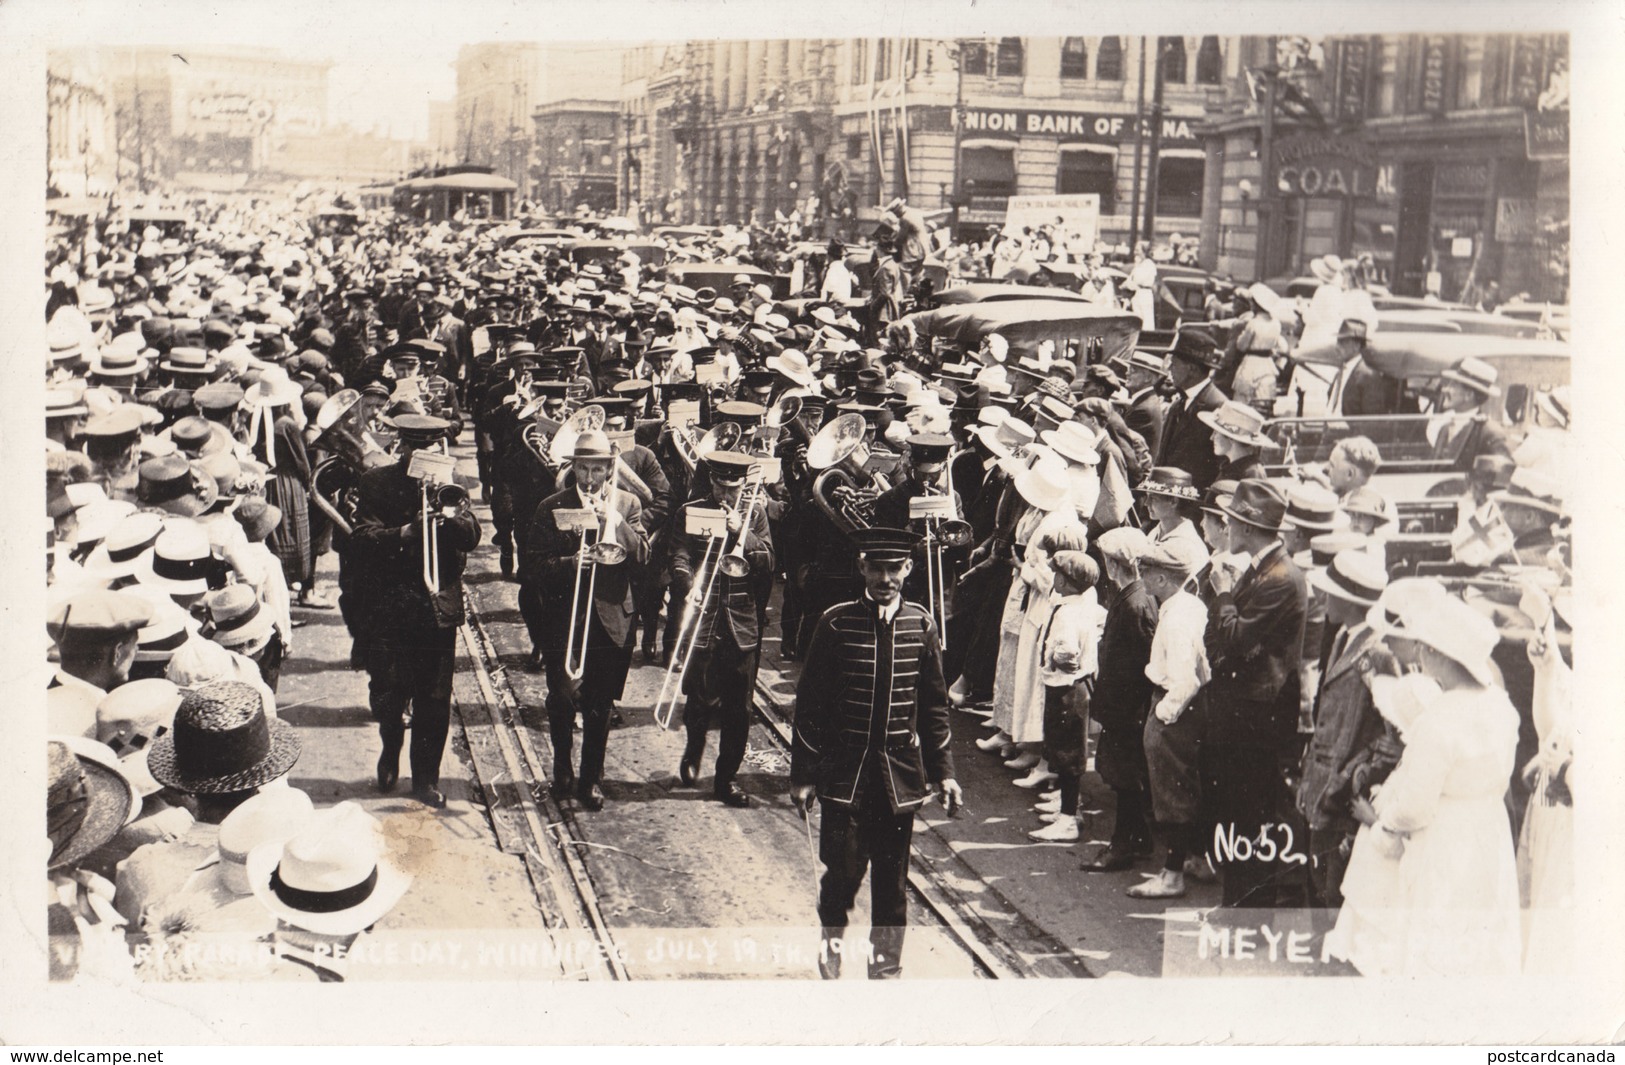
point(844, 489)
point(336, 480)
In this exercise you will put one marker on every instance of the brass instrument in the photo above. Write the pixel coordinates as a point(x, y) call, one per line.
point(716, 559)
point(342, 431)
point(940, 535)
point(440, 500)
point(844, 489)
point(589, 556)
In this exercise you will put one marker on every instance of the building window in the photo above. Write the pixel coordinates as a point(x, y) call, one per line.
point(991, 166)
point(1209, 62)
point(1387, 66)
point(860, 60)
point(884, 57)
point(854, 146)
point(1470, 71)
point(1074, 58)
point(1086, 170)
point(1109, 63)
point(973, 55)
point(1173, 60)
point(1179, 185)
point(1011, 57)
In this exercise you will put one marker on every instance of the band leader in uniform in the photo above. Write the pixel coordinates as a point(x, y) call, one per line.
point(872, 741)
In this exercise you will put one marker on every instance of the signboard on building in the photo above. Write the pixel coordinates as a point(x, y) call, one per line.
point(1435, 52)
point(1074, 125)
point(1319, 165)
point(1546, 134)
point(1353, 67)
point(1528, 63)
point(1515, 220)
point(1079, 216)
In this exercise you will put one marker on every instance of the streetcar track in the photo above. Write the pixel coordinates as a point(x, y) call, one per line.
point(556, 837)
point(974, 933)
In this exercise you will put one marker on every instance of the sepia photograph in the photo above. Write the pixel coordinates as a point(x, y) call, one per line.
point(533, 513)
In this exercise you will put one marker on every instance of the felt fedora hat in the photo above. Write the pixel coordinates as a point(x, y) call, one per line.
point(1257, 503)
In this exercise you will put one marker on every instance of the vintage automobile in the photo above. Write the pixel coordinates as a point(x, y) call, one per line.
point(1083, 333)
point(719, 276)
point(995, 292)
point(1411, 364)
point(541, 238)
point(605, 252)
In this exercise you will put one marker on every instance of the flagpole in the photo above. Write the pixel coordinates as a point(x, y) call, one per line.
point(1266, 165)
point(1139, 159)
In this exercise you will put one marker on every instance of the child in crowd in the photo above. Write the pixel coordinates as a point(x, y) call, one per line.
point(1068, 668)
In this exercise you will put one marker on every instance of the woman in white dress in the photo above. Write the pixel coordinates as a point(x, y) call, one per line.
point(1045, 491)
point(1432, 887)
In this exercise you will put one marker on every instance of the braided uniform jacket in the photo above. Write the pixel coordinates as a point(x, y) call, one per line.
point(872, 706)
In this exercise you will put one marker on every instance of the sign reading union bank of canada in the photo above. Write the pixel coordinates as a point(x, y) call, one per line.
point(1083, 125)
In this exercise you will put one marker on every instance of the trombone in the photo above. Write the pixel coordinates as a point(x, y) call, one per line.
point(716, 559)
point(438, 498)
point(941, 534)
point(589, 556)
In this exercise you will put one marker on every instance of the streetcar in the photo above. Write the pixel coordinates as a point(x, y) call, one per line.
point(472, 193)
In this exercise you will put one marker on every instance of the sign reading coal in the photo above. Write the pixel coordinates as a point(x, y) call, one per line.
point(1316, 165)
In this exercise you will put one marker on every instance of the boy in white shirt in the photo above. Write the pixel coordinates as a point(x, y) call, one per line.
point(1178, 668)
point(1068, 668)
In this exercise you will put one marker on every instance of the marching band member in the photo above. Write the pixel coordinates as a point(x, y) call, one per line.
point(410, 633)
point(720, 681)
point(550, 562)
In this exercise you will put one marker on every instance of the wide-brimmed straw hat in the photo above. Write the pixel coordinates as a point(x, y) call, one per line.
point(1238, 421)
point(223, 742)
point(87, 798)
point(1420, 609)
point(1071, 440)
point(335, 877)
point(1044, 485)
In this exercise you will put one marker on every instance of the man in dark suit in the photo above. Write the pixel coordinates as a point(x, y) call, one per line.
point(1186, 442)
point(1254, 641)
point(1122, 698)
point(1146, 373)
point(410, 631)
point(871, 741)
point(721, 677)
point(549, 563)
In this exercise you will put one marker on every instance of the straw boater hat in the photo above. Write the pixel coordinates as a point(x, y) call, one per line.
point(130, 717)
point(1237, 421)
point(1476, 374)
point(173, 485)
point(188, 360)
point(88, 799)
point(126, 548)
point(1309, 506)
point(235, 617)
point(1354, 575)
point(222, 742)
point(180, 560)
point(334, 877)
point(1420, 609)
point(112, 362)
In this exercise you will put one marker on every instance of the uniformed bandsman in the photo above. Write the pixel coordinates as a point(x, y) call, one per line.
point(871, 741)
point(721, 677)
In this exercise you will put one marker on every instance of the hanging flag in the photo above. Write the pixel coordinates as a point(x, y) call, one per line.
point(1480, 541)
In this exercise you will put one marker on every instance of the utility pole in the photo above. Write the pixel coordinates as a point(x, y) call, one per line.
point(959, 136)
point(1152, 176)
point(1266, 168)
point(1139, 159)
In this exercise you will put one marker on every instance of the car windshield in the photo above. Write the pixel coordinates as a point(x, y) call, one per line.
point(1407, 442)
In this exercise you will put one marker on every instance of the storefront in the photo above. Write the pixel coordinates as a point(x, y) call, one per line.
point(1004, 152)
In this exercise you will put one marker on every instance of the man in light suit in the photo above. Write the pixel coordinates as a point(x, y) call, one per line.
point(1186, 442)
point(549, 563)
